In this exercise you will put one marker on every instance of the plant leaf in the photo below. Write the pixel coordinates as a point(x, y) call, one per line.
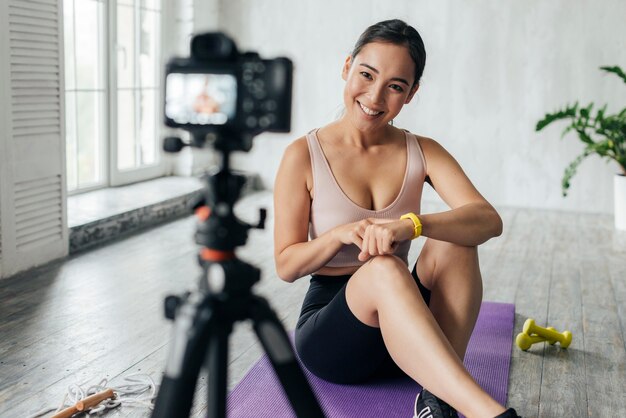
point(582, 134)
point(567, 113)
point(586, 111)
point(567, 129)
point(570, 170)
point(615, 70)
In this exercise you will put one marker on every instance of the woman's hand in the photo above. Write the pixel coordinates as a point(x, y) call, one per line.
point(374, 236)
point(382, 236)
point(352, 233)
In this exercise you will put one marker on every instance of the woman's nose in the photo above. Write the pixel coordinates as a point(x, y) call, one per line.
point(377, 94)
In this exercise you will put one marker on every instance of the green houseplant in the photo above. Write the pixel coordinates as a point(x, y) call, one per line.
point(602, 134)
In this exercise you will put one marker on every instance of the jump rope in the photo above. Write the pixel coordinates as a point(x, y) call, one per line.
point(136, 390)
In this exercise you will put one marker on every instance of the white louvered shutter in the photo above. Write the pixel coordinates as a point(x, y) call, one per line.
point(33, 207)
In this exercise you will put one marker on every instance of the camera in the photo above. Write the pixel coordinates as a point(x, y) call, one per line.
point(220, 90)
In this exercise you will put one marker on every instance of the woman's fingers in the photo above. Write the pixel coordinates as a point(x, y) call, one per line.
point(372, 241)
point(356, 239)
point(359, 232)
point(364, 255)
point(377, 238)
point(385, 243)
point(384, 239)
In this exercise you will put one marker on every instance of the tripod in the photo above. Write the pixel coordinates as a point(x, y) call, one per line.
point(204, 317)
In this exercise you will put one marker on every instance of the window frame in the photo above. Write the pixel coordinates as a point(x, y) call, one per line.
point(120, 177)
point(104, 105)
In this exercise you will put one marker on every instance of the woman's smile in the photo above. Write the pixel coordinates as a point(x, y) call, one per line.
point(370, 112)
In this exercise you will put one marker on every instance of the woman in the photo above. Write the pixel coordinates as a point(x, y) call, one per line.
point(354, 186)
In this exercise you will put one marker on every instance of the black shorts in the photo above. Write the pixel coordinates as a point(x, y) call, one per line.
point(334, 344)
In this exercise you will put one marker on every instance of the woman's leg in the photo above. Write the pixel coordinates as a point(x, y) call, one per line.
point(382, 293)
point(330, 341)
point(452, 273)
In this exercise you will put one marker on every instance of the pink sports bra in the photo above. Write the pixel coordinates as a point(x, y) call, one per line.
point(331, 207)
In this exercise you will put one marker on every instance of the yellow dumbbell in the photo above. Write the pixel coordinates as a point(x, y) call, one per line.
point(552, 342)
point(524, 341)
point(551, 335)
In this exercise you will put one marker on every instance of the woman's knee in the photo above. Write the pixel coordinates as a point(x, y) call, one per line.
point(379, 282)
point(387, 271)
point(389, 264)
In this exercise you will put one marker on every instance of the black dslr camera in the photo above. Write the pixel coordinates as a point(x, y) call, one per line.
point(219, 90)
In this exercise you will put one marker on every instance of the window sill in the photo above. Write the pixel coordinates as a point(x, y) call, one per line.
point(103, 215)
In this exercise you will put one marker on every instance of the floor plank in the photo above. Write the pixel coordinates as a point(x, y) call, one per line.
point(605, 359)
point(563, 386)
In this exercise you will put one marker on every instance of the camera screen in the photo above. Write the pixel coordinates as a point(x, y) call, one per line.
point(200, 99)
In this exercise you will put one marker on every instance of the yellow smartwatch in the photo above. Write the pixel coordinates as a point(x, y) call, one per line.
point(417, 225)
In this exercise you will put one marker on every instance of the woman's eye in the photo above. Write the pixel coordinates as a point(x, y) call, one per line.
point(397, 88)
point(366, 75)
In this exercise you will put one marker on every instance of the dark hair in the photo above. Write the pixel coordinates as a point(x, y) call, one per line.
point(397, 32)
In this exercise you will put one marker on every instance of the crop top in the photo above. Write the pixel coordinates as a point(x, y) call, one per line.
point(331, 207)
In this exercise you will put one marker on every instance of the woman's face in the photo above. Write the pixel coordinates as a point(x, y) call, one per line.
point(378, 84)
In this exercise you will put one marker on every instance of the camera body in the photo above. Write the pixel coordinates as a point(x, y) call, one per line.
point(223, 91)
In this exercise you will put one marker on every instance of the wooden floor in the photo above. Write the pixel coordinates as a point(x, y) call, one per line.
point(99, 314)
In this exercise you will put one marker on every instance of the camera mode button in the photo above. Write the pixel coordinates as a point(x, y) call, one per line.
point(248, 76)
point(248, 105)
point(264, 122)
point(270, 105)
point(251, 121)
point(260, 94)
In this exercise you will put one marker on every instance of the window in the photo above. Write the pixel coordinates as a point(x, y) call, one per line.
point(138, 69)
point(85, 93)
point(112, 98)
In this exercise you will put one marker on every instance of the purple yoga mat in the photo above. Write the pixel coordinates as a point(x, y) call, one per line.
point(488, 356)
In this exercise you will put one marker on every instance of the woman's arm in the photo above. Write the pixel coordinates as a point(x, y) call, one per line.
point(295, 256)
point(471, 220)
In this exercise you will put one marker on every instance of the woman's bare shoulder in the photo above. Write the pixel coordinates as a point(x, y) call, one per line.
point(429, 146)
point(423, 140)
point(297, 152)
point(296, 162)
point(433, 153)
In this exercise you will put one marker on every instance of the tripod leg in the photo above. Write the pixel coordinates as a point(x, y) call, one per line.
point(276, 343)
point(218, 369)
point(187, 353)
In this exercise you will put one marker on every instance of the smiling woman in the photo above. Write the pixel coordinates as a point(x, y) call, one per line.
point(347, 205)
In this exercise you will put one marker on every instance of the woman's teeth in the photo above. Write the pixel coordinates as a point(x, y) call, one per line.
point(369, 111)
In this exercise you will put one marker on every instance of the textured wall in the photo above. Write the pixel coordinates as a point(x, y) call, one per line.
point(493, 68)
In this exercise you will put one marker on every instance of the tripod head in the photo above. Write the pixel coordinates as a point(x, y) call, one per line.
point(219, 229)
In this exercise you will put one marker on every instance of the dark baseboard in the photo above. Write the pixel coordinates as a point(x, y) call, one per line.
point(83, 237)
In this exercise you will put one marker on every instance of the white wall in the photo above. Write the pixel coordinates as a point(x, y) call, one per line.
point(493, 69)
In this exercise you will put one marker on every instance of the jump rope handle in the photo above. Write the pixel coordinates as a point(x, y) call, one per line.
point(85, 404)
